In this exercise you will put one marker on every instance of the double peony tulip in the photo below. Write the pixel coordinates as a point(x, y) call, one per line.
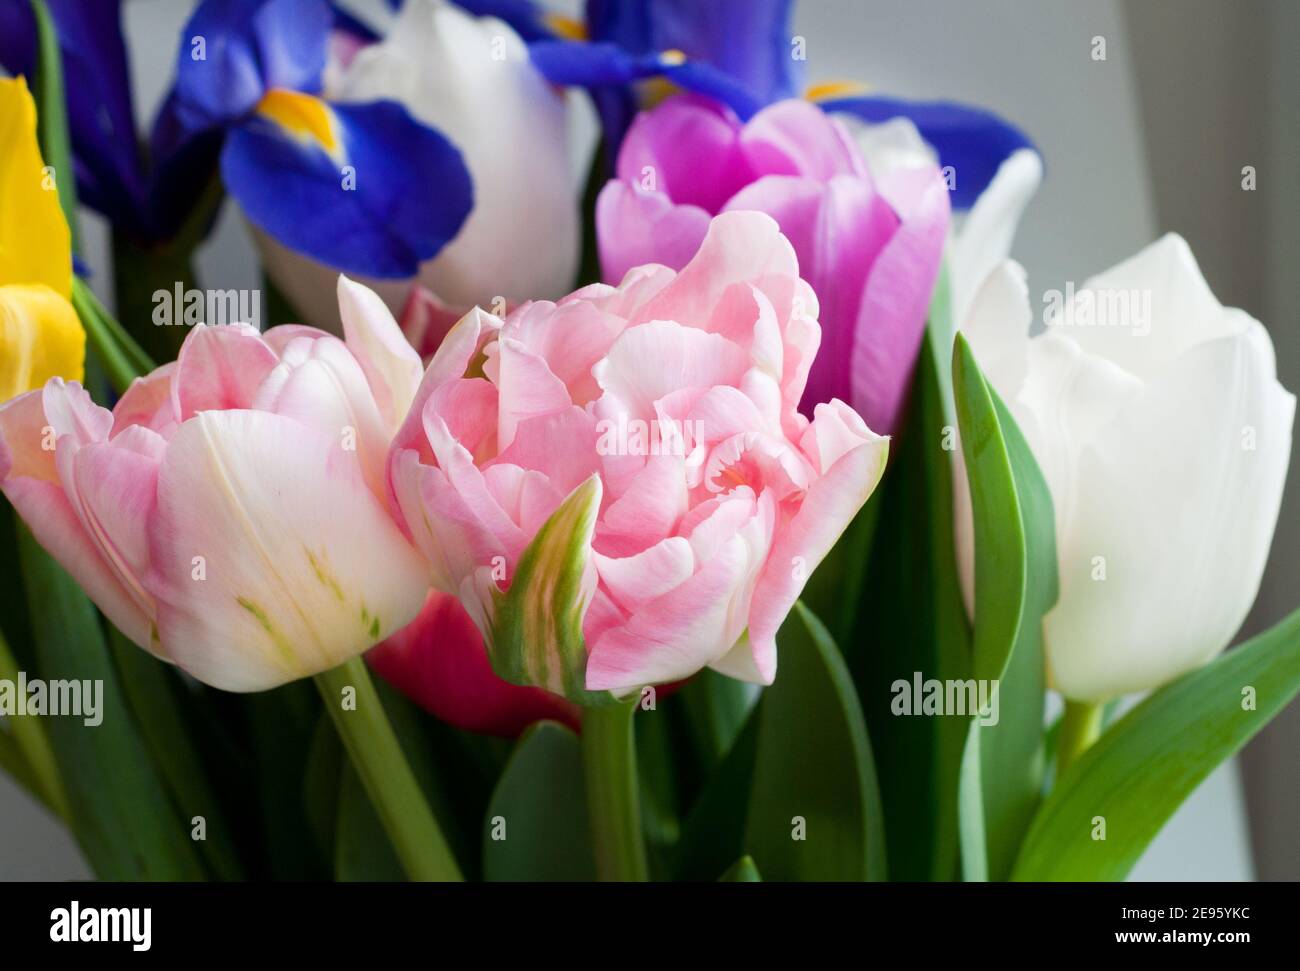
point(230, 513)
point(1164, 436)
point(869, 233)
point(620, 485)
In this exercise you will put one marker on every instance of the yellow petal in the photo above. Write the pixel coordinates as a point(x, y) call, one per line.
point(305, 117)
point(40, 338)
point(35, 246)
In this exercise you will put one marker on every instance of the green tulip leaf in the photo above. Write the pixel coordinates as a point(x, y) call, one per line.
point(153, 691)
point(713, 831)
point(121, 815)
point(1015, 584)
point(912, 561)
point(537, 823)
point(1132, 779)
point(814, 811)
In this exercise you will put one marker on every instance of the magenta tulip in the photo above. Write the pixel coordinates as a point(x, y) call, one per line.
point(869, 242)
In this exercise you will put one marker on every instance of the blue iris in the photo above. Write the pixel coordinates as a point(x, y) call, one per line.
point(739, 52)
point(365, 188)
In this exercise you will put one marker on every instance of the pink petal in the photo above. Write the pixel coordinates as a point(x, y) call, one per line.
point(635, 227)
point(827, 508)
point(148, 402)
point(391, 365)
point(689, 147)
point(896, 299)
point(795, 137)
point(219, 368)
point(301, 567)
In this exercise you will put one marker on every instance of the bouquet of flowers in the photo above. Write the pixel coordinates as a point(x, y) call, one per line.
point(729, 519)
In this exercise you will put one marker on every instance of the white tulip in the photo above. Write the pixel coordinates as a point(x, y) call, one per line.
point(1164, 436)
point(471, 79)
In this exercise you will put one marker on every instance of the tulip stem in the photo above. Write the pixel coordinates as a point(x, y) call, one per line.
point(1080, 727)
point(377, 756)
point(613, 793)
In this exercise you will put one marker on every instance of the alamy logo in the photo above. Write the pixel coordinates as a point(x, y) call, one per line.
point(930, 696)
point(186, 308)
point(1099, 307)
point(132, 925)
point(32, 696)
point(662, 436)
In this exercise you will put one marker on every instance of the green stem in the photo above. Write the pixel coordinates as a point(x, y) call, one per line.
point(121, 357)
point(377, 756)
point(1080, 727)
point(28, 734)
point(613, 795)
point(52, 116)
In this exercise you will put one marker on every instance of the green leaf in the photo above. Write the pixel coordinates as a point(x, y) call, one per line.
point(14, 764)
point(814, 765)
point(912, 619)
point(121, 815)
point(540, 808)
point(1015, 584)
point(322, 784)
point(1142, 768)
point(536, 628)
point(844, 569)
point(714, 830)
point(742, 871)
point(281, 724)
point(660, 782)
point(716, 708)
point(150, 688)
point(362, 850)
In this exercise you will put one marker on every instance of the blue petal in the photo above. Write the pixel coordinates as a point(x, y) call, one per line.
point(597, 65)
point(351, 24)
point(748, 40)
point(974, 141)
point(17, 37)
point(412, 190)
point(249, 46)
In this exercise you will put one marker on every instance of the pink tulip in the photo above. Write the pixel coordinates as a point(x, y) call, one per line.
point(230, 513)
point(620, 487)
point(439, 662)
point(869, 241)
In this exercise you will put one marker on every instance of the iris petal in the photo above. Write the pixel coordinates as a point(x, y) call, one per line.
point(361, 187)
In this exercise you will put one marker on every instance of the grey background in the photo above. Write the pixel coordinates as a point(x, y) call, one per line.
point(1149, 140)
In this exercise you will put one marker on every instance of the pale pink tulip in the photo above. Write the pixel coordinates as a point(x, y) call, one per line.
point(620, 486)
point(230, 514)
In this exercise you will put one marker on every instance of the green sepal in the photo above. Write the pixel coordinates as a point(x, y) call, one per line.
point(535, 635)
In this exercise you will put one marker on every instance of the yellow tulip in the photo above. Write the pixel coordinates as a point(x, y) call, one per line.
point(40, 334)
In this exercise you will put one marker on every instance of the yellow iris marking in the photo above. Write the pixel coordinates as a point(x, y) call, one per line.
point(306, 118)
point(672, 58)
point(566, 27)
point(833, 89)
